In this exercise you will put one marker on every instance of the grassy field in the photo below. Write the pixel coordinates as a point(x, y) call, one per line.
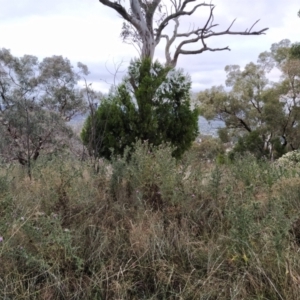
point(151, 228)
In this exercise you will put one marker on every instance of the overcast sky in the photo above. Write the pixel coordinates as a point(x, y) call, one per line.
point(87, 31)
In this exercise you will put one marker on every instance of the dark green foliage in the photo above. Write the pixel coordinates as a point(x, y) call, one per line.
point(251, 142)
point(111, 126)
point(279, 147)
point(295, 51)
point(152, 103)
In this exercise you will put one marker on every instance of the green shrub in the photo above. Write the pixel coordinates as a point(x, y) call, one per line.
point(152, 104)
point(150, 227)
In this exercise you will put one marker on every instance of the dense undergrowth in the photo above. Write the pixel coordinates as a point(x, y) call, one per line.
point(150, 228)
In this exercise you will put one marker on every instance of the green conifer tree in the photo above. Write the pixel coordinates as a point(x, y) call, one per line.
point(152, 103)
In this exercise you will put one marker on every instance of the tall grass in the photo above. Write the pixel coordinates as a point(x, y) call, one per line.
point(150, 228)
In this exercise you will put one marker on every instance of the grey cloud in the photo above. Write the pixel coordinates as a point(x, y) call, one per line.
point(15, 9)
point(205, 69)
point(25, 8)
point(103, 78)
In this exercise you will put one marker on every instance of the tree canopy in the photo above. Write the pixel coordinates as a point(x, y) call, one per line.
point(152, 103)
point(36, 99)
point(264, 117)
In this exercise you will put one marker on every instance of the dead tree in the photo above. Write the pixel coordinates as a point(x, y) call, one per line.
point(141, 15)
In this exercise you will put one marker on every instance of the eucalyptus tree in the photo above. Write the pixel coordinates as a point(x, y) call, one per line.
point(289, 89)
point(263, 116)
point(243, 108)
point(146, 21)
point(36, 98)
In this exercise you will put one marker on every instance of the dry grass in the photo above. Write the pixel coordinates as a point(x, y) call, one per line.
point(147, 230)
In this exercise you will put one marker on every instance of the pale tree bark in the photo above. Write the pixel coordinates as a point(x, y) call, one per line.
point(139, 27)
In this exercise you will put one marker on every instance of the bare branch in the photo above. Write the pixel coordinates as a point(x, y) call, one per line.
point(141, 20)
point(253, 25)
point(118, 8)
point(140, 17)
point(201, 35)
point(170, 42)
point(231, 24)
point(178, 13)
